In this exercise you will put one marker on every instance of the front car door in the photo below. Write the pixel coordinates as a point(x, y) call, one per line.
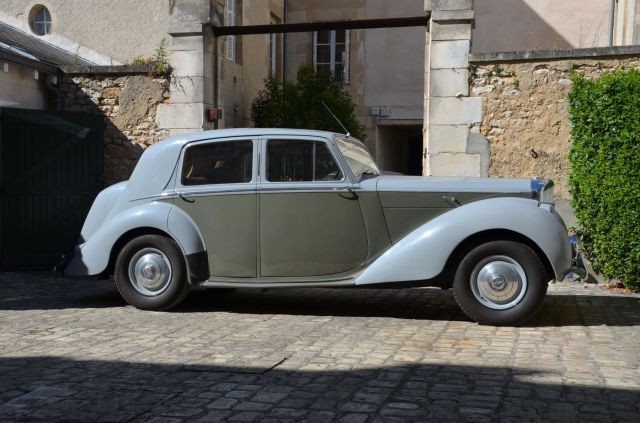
point(218, 189)
point(311, 223)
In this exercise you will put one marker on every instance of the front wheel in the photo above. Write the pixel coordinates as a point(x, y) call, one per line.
point(500, 283)
point(150, 273)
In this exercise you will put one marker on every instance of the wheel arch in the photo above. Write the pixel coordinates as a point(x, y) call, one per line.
point(197, 264)
point(424, 253)
point(483, 237)
point(95, 256)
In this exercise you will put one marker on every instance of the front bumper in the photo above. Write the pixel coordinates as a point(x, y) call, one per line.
point(579, 268)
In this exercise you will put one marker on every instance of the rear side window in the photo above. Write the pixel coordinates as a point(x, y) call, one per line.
point(300, 161)
point(218, 163)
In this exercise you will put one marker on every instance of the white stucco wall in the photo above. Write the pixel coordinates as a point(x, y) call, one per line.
point(394, 57)
point(19, 88)
point(119, 29)
point(514, 25)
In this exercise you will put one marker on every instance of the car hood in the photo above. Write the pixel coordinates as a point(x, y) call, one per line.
point(392, 183)
point(443, 193)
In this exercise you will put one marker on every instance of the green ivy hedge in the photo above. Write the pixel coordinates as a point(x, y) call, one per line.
point(605, 173)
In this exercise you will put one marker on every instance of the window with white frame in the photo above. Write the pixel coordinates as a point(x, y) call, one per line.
point(230, 20)
point(275, 49)
point(331, 53)
point(273, 54)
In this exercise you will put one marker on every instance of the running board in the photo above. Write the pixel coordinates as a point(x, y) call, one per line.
point(226, 283)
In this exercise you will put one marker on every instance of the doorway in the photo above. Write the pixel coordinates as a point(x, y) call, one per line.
point(399, 149)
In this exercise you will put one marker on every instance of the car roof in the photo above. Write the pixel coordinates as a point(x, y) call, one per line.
point(247, 132)
point(158, 162)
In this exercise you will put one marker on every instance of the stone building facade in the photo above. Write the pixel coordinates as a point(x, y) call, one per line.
point(382, 69)
point(526, 110)
point(501, 114)
point(516, 25)
point(453, 143)
point(101, 36)
point(243, 71)
point(443, 124)
point(129, 101)
point(519, 25)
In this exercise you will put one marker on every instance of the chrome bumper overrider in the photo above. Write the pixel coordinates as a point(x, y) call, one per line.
point(579, 268)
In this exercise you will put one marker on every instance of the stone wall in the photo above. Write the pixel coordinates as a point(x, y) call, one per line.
point(526, 107)
point(453, 145)
point(128, 103)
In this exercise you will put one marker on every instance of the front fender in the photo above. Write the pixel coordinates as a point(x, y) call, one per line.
point(92, 257)
point(424, 252)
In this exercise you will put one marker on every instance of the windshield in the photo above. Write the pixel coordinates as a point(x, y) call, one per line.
point(358, 159)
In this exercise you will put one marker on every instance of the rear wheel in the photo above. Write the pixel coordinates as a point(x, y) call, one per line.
point(150, 273)
point(500, 283)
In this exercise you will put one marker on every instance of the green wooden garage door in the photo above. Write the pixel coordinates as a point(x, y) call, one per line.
point(51, 169)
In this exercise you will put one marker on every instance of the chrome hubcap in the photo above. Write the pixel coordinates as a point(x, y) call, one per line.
point(150, 272)
point(498, 282)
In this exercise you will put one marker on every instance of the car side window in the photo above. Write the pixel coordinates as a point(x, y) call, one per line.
point(228, 162)
point(301, 161)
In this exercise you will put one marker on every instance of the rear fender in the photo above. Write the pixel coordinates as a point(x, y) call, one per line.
point(423, 253)
point(92, 257)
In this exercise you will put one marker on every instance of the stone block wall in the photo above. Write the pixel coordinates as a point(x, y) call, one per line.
point(526, 113)
point(129, 104)
point(452, 142)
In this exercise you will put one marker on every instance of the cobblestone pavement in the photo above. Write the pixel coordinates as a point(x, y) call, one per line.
point(71, 350)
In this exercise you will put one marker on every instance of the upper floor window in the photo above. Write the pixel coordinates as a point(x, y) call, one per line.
point(40, 20)
point(275, 49)
point(300, 161)
point(331, 53)
point(229, 162)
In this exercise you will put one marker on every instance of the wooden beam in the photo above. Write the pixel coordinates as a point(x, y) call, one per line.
point(322, 26)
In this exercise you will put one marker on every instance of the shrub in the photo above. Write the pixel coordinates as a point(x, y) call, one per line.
point(605, 174)
point(300, 105)
point(159, 63)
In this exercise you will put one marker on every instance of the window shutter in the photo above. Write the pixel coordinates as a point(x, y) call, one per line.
point(230, 20)
point(315, 51)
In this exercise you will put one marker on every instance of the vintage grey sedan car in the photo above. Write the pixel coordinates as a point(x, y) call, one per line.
point(256, 208)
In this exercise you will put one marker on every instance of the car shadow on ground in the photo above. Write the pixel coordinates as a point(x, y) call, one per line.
point(50, 291)
point(416, 303)
point(57, 389)
point(41, 291)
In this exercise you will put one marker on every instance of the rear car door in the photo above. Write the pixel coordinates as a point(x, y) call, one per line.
point(217, 187)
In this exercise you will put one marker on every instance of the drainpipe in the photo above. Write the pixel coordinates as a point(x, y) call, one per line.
point(284, 45)
point(612, 22)
point(216, 80)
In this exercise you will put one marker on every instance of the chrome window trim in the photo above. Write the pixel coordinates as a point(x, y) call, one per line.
point(290, 189)
point(173, 194)
point(254, 174)
point(167, 195)
point(264, 182)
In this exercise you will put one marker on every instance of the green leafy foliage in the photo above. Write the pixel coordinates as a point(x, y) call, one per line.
point(605, 175)
point(160, 67)
point(300, 105)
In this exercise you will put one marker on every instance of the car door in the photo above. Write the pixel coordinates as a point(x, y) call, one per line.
point(310, 219)
point(217, 187)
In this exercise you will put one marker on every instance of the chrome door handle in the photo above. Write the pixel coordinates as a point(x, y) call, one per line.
point(185, 198)
point(452, 201)
point(354, 195)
